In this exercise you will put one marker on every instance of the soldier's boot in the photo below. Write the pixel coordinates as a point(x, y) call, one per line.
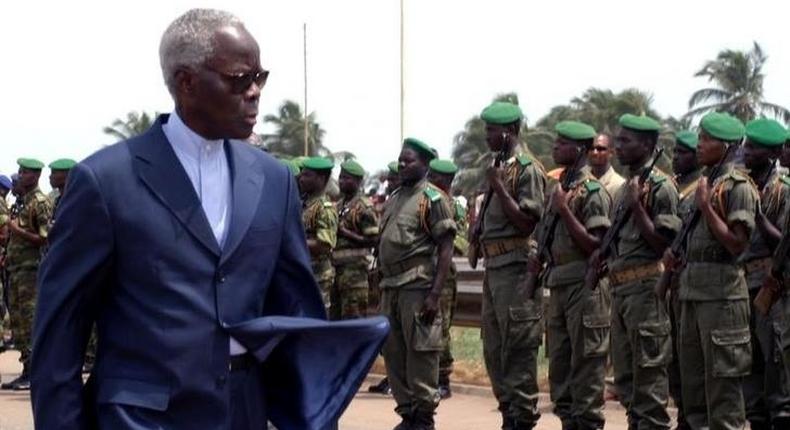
point(507, 420)
point(444, 391)
point(405, 423)
point(22, 379)
point(423, 420)
point(382, 387)
point(523, 425)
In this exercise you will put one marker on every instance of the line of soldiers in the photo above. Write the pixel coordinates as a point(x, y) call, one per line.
point(24, 228)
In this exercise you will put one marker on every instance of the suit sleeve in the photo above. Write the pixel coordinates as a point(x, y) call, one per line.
point(293, 290)
point(72, 273)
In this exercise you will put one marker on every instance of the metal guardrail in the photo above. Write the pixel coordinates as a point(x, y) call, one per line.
point(469, 301)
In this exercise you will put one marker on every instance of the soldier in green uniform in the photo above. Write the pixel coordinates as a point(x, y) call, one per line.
point(578, 319)
point(441, 174)
point(393, 180)
point(641, 344)
point(714, 342)
point(511, 323)
point(319, 218)
point(29, 231)
point(357, 234)
point(5, 216)
point(687, 174)
point(59, 173)
point(414, 255)
point(766, 397)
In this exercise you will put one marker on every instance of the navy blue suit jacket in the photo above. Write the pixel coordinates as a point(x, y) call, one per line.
point(133, 252)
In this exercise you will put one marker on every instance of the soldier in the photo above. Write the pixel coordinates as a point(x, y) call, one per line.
point(767, 400)
point(441, 174)
point(600, 158)
point(415, 251)
point(714, 319)
point(29, 231)
point(641, 344)
point(357, 234)
point(59, 174)
point(5, 216)
point(319, 218)
point(511, 324)
point(393, 180)
point(687, 174)
point(578, 321)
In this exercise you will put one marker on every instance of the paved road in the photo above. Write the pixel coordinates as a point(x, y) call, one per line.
point(367, 411)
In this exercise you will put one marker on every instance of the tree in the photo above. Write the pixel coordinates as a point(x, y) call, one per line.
point(738, 78)
point(288, 138)
point(134, 125)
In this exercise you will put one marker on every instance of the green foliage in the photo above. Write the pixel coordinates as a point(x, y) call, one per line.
point(288, 138)
point(136, 123)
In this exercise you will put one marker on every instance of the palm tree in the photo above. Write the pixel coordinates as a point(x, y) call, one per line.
point(134, 125)
point(288, 138)
point(738, 78)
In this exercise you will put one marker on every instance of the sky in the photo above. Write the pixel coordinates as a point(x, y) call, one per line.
point(71, 68)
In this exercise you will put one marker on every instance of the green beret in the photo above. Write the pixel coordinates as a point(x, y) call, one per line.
point(30, 163)
point(766, 132)
point(62, 164)
point(353, 168)
point(501, 113)
point(298, 161)
point(318, 163)
point(687, 138)
point(639, 123)
point(393, 166)
point(420, 147)
point(722, 126)
point(291, 165)
point(445, 167)
point(575, 130)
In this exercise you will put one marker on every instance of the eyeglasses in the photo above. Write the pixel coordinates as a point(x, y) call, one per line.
point(239, 82)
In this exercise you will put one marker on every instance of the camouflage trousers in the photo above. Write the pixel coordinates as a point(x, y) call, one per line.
point(22, 305)
point(675, 389)
point(350, 292)
point(448, 301)
point(512, 331)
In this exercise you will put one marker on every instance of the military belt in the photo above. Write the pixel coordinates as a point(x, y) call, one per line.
point(496, 247)
point(636, 273)
point(759, 265)
point(396, 269)
point(709, 255)
point(562, 259)
point(342, 254)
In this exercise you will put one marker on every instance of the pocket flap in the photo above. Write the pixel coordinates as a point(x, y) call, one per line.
point(652, 329)
point(596, 320)
point(528, 312)
point(730, 336)
point(133, 393)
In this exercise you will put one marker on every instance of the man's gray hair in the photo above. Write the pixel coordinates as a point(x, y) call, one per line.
point(188, 41)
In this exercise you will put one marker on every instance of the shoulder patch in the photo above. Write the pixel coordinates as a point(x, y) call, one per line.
point(785, 179)
point(524, 159)
point(592, 186)
point(329, 204)
point(432, 194)
point(657, 179)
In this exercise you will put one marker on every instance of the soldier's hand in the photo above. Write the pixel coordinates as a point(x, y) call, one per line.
point(670, 260)
point(534, 265)
point(560, 199)
point(494, 176)
point(633, 193)
point(430, 308)
point(703, 192)
point(13, 225)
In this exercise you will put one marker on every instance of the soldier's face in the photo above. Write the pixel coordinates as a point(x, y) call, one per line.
point(411, 168)
point(444, 182)
point(348, 184)
point(57, 178)
point(629, 147)
point(393, 182)
point(565, 151)
point(757, 156)
point(709, 150)
point(311, 182)
point(496, 136)
point(684, 160)
point(784, 159)
point(28, 178)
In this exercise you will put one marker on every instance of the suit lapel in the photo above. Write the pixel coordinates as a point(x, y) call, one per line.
point(247, 182)
point(160, 170)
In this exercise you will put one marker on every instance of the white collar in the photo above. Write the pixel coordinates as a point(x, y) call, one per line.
point(187, 141)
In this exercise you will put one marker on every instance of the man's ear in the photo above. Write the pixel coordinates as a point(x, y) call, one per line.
point(185, 83)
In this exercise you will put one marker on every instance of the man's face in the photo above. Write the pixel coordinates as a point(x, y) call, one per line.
point(222, 95)
point(393, 182)
point(710, 150)
point(348, 184)
point(496, 136)
point(756, 156)
point(601, 151)
point(57, 178)
point(443, 181)
point(28, 178)
point(311, 182)
point(629, 148)
point(411, 168)
point(784, 158)
point(565, 151)
point(684, 160)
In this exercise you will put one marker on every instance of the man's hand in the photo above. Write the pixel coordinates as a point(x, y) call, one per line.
point(494, 176)
point(670, 260)
point(430, 308)
point(703, 193)
point(534, 265)
point(13, 225)
point(633, 193)
point(560, 200)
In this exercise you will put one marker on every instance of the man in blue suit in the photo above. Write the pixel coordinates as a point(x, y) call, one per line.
point(184, 246)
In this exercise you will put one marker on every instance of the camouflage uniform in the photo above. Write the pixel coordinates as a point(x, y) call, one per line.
point(5, 216)
point(686, 191)
point(352, 262)
point(641, 343)
point(319, 218)
point(512, 326)
point(22, 262)
point(414, 219)
point(714, 336)
point(764, 390)
point(578, 318)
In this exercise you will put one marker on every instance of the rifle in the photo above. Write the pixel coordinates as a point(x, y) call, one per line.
point(477, 228)
point(546, 233)
point(621, 216)
point(680, 243)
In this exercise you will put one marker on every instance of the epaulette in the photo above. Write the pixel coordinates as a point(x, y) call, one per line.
point(433, 194)
point(785, 179)
point(592, 186)
point(328, 204)
point(657, 176)
point(524, 159)
point(40, 197)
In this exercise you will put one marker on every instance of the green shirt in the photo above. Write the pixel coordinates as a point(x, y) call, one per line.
point(319, 218)
point(358, 216)
point(34, 215)
point(686, 190)
point(591, 205)
point(661, 202)
point(733, 195)
point(415, 218)
point(526, 183)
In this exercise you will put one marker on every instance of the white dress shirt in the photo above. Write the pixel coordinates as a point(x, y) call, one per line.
point(206, 164)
